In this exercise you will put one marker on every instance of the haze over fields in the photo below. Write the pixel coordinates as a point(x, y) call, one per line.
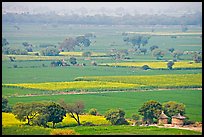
point(108, 8)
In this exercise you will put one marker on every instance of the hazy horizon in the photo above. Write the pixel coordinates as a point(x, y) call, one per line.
point(139, 6)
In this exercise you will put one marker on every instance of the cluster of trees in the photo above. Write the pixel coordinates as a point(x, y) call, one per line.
point(127, 19)
point(40, 113)
point(70, 43)
point(137, 41)
point(7, 49)
point(152, 109)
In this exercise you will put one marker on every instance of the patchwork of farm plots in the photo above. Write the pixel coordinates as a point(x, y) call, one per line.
point(155, 65)
point(119, 82)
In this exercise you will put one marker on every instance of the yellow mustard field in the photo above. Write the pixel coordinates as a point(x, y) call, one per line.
point(73, 85)
point(9, 119)
point(156, 65)
point(97, 120)
point(170, 80)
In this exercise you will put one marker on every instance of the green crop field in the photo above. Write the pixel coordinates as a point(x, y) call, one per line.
point(109, 84)
point(129, 101)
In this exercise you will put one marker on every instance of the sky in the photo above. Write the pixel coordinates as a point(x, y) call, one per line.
point(111, 5)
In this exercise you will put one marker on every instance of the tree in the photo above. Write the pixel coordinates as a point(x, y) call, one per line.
point(26, 44)
point(4, 42)
point(50, 52)
point(116, 116)
point(170, 64)
point(144, 50)
point(68, 44)
point(172, 108)
point(83, 41)
point(158, 54)
point(150, 110)
point(74, 109)
point(93, 111)
point(153, 47)
point(27, 111)
point(12, 59)
point(196, 57)
point(136, 119)
point(5, 106)
point(176, 54)
point(73, 60)
point(145, 67)
point(55, 113)
point(86, 54)
point(171, 50)
point(139, 40)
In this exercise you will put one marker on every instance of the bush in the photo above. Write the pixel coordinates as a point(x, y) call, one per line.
point(63, 132)
point(145, 67)
point(93, 111)
point(116, 117)
point(86, 54)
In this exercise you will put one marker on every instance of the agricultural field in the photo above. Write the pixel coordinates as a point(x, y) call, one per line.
point(156, 65)
point(111, 83)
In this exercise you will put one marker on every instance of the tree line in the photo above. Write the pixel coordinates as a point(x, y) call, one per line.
point(40, 113)
point(127, 19)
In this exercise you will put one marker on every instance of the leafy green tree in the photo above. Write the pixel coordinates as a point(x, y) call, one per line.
point(172, 108)
point(159, 54)
point(176, 54)
point(68, 44)
point(139, 40)
point(144, 50)
point(197, 57)
point(5, 106)
point(171, 50)
point(170, 65)
point(116, 116)
point(27, 111)
point(153, 47)
point(73, 60)
point(150, 110)
point(50, 52)
point(4, 42)
point(74, 109)
point(55, 113)
point(93, 111)
point(136, 119)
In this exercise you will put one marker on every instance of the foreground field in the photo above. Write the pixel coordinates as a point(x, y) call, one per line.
point(130, 102)
point(22, 129)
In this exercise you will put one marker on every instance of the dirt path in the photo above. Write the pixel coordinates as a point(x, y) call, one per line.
point(199, 128)
point(87, 92)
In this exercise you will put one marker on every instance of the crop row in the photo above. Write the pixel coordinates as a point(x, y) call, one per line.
point(156, 65)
